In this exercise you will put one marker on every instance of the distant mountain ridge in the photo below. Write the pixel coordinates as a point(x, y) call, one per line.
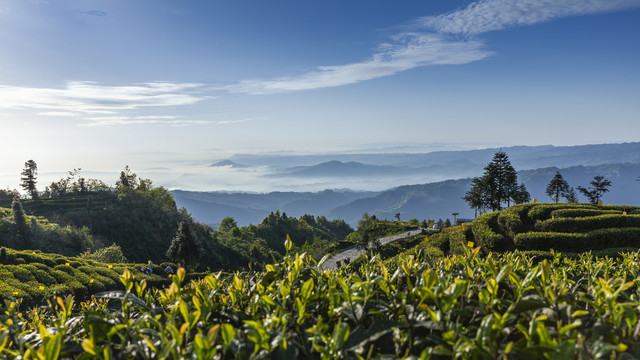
point(426, 201)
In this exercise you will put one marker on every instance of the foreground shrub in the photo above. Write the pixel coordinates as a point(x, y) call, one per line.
point(464, 306)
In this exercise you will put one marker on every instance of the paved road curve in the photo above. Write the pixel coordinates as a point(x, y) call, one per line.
point(353, 253)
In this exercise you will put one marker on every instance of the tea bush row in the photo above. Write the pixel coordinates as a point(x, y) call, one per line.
point(544, 211)
point(574, 213)
point(585, 224)
point(596, 239)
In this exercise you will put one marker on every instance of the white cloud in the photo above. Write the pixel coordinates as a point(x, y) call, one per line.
point(436, 40)
point(90, 98)
point(489, 15)
point(408, 51)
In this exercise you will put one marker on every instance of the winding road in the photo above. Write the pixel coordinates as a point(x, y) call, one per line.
point(353, 253)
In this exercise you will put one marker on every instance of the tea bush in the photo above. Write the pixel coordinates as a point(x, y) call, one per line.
point(486, 237)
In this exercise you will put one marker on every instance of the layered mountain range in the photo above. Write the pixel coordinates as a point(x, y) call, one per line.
point(446, 174)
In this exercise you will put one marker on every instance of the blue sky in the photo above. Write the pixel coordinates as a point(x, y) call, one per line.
point(156, 83)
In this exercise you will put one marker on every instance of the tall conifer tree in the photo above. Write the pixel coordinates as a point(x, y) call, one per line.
point(29, 175)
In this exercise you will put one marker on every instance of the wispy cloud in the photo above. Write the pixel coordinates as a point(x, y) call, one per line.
point(82, 98)
point(448, 39)
point(141, 120)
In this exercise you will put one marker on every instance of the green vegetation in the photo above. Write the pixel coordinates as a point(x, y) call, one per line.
point(21, 231)
point(454, 307)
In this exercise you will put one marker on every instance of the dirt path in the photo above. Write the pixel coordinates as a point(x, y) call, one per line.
point(353, 253)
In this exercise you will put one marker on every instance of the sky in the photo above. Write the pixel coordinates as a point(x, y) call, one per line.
point(165, 85)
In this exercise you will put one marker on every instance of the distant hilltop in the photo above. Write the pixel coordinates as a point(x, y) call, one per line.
point(228, 163)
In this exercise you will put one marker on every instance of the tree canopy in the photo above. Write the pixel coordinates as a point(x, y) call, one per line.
point(557, 187)
point(498, 186)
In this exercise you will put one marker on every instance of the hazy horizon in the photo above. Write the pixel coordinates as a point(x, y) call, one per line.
point(268, 172)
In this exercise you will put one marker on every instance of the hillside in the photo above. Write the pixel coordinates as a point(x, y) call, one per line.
point(143, 221)
point(38, 233)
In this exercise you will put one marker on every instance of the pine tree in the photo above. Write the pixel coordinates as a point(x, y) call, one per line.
point(184, 247)
point(498, 184)
point(557, 187)
point(28, 178)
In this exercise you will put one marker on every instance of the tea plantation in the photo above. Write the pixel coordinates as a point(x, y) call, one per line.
point(503, 290)
point(33, 276)
point(540, 228)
